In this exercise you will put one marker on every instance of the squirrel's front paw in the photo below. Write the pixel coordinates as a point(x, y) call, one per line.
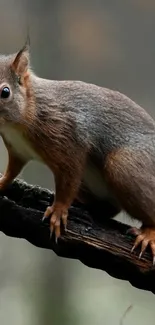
point(58, 213)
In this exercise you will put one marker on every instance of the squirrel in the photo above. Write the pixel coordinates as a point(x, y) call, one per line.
point(99, 144)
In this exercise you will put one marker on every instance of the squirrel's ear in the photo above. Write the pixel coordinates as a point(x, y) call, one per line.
point(20, 63)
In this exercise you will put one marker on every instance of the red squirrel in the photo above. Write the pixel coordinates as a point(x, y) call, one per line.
point(98, 143)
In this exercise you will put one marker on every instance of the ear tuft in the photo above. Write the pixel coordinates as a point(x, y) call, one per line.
point(20, 63)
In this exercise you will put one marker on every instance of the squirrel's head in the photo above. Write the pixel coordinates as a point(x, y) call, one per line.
point(15, 89)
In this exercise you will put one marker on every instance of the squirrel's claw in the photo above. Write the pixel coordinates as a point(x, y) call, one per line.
point(55, 225)
point(145, 237)
point(48, 212)
point(57, 214)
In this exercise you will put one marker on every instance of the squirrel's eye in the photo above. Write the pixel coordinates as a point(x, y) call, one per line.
point(5, 93)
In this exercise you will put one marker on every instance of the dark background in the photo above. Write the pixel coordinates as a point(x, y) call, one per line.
point(112, 44)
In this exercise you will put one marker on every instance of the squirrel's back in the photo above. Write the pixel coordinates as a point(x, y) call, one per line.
point(102, 117)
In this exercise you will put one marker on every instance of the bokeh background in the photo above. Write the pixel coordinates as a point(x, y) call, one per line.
point(112, 44)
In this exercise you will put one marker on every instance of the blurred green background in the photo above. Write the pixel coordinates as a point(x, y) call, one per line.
point(112, 44)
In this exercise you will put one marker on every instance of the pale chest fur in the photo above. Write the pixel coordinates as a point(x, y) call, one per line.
point(19, 143)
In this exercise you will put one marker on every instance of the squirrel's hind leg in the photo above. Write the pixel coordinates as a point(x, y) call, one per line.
point(146, 237)
point(131, 177)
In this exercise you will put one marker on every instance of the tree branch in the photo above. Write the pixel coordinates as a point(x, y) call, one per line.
point(102, 246)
